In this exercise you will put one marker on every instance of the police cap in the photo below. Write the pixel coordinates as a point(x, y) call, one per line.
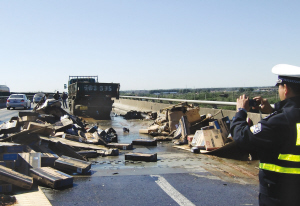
point(287, 74)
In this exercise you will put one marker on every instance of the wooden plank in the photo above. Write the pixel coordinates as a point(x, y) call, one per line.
point(91, 138)
point(72, 165)
point(68, 151)
point(88, 153)
point(183, 147)
point(22, 114)
point(43, 129)
point(109, 152)
point(144, 142)
point(66, 124)
point(8, 156)
point(15, 178)
point(23, 137)
point(5, 188)
point(122, 146)
point(77, 145)
point(141, 157)
point(24, 119)
point(163, 138)
point(74, 138)
point(9, 147)
point(27, 161)
point(51, 177)
point(9, 164)
point(48, 159)
point(9, 127)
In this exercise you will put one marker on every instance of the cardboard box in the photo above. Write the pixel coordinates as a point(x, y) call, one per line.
point(174, 118)
point(190, 138)
point(185, 127)
point(193, 115)
point(198, 140)
point(224, 126)
point(153, 128)
point(208, 139)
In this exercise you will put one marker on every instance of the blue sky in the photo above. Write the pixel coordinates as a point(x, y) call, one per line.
point(153, 44)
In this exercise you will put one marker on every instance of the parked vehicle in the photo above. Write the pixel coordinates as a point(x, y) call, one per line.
point(4, 90)
point(37, 97)
point(18, 100)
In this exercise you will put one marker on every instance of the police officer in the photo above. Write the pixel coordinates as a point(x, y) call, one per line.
point(275, 139)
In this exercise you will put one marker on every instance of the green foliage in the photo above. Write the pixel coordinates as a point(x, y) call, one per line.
point(241, 90)
point(216, 94)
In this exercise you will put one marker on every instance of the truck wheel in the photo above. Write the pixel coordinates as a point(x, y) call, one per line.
point(72, 107)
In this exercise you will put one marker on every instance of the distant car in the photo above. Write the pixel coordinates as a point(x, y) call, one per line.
point(18, 100)
point(37, 97)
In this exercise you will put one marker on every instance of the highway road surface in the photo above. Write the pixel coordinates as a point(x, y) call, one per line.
point(179, 177)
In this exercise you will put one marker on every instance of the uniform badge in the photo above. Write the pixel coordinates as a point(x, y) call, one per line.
point(255, 128)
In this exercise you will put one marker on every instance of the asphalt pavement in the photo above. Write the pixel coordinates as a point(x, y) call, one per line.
point(179, 177)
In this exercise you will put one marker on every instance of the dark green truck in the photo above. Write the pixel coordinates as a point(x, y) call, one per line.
point(89, 97)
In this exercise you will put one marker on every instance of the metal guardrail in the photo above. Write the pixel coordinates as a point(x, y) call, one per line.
point(182, 100)
point(185, 100)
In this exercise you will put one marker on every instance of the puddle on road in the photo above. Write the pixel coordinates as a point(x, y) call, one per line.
point(168, 156)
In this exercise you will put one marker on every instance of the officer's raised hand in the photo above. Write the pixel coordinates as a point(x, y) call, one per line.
point(263, 105)
point(242, 103)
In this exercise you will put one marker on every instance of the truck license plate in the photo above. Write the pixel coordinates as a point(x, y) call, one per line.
point(83, 108)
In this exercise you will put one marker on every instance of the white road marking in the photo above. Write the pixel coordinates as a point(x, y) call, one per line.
point(172, 192)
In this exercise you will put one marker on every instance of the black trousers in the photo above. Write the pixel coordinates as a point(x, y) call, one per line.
point(279, 196)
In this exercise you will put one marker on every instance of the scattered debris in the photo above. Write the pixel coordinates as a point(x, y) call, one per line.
point(48, 144)
point(72, 165)
point(51, 177)
point(183, 124)
point(144, 142)
point(122, 146)
point(133, 115)
point(15, 178)
point(141, 157)
point(7, 199)
point(125, 129)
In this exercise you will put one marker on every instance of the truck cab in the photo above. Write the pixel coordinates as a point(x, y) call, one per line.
point(89, 97)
